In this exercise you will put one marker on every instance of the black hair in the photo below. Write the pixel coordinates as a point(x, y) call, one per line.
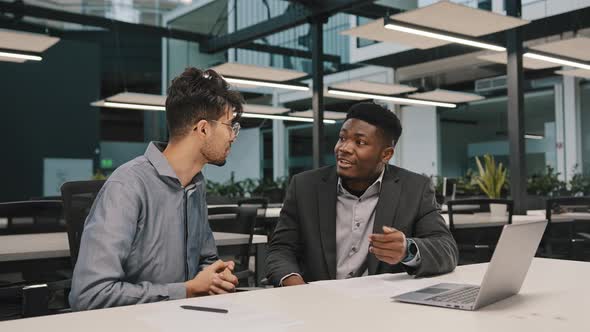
point(197, 95)
point(380, 117)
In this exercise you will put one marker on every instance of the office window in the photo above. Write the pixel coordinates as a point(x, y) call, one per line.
point(481, 128)
point(585, 125)
point(361, 42)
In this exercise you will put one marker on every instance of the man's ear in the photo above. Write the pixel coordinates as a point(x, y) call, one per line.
point(202, 128)
point(387, 154)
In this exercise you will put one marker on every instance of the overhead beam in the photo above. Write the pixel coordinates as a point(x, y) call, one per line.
point(288, 52)
point(297, 15)
point(515, 114)
point(20, 9)
point(547, 26)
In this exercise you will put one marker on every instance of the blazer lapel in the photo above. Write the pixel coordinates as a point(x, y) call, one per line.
point(327, 214)
point(386, 208)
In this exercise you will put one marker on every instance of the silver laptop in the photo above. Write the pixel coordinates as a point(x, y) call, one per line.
point(504, 277)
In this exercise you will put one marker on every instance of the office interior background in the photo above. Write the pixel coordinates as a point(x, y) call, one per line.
point(52, 134)
point(58, 122)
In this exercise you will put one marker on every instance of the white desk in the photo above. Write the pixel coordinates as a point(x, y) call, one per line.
point(55, 245)
point(485, 219)
point(554, 297)
point(561, 217)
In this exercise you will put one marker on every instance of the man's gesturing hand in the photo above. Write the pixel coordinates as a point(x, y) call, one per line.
point(389, 247)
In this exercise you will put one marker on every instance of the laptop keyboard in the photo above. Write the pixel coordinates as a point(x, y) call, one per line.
point(461, 295)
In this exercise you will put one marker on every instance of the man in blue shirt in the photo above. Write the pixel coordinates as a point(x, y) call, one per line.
point(147, 236)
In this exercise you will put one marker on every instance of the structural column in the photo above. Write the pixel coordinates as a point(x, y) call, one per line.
point(280, 146)
point(515, 77)
point(317, 100)
point(572, 127)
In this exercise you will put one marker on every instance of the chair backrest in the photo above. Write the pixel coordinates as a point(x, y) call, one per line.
point(577, 207)
point(235, 219)
point(449, 188)
point(41, 216)
point(222, 218)
point(246, 222)
point(78, 198)
point(257, 201)
point(476, 205)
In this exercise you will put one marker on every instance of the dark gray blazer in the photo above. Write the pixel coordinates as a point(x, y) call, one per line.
point(304, 240)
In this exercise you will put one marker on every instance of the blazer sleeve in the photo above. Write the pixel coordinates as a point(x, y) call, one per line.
point(438, 249)
point(285, 247)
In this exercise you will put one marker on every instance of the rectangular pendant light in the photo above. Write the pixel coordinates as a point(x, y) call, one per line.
point(133, 101)
point(270, 84)
point(12, 54)
point(533, 136)
point(283, 117)
point(396, 25)
point(399, 100)
point(144, 107)
point(556, 59)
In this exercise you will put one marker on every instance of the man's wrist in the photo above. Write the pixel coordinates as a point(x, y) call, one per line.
point(293, 280)
point(411, 250)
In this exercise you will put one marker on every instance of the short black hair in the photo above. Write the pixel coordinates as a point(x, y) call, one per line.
point(197, 95)
point(380, 117)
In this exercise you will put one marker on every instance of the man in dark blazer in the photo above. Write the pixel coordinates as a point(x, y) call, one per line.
point(362, 216)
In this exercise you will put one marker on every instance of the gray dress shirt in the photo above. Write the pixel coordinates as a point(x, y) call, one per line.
point(144, 236)
point(355, 217)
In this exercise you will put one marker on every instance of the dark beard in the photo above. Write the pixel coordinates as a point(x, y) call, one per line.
point(218, 162)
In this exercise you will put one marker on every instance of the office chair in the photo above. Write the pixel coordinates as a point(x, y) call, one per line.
point(568, 229)
point(477, 244)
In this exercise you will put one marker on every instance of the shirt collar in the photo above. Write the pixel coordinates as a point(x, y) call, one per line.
point(374, 188)
point(154, 154)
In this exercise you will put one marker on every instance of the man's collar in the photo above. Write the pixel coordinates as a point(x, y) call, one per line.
point(376, 184)
point(154, 153)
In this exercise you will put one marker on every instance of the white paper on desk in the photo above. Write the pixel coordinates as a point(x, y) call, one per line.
point(383, 286)
point(171, 317)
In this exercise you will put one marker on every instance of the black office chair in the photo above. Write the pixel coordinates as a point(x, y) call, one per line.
point(26, 217)
point(477, 244)
point(223, 218)
point(241, 220)
point(38, 293)
point(263, 226)
point(78, 197)
point(568, 229)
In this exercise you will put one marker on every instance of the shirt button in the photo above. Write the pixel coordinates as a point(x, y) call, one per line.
point(358, 224)
point(354, 249)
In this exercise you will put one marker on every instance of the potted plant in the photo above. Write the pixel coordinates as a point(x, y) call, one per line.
point(491, 179)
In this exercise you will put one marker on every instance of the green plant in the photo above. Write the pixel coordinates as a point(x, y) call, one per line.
point(491, 178)
point(231, 188)
point(580, 184)
point(467, 184)
point(546, 184)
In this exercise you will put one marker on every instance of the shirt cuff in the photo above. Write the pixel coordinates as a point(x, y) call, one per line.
point(416, 260)
point(176, 291)
point(287, 276)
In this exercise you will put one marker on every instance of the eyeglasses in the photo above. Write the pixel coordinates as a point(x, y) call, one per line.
point(234, 127)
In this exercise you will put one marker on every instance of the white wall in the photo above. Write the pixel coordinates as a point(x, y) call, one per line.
point(244, 159)
point(418, 145)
